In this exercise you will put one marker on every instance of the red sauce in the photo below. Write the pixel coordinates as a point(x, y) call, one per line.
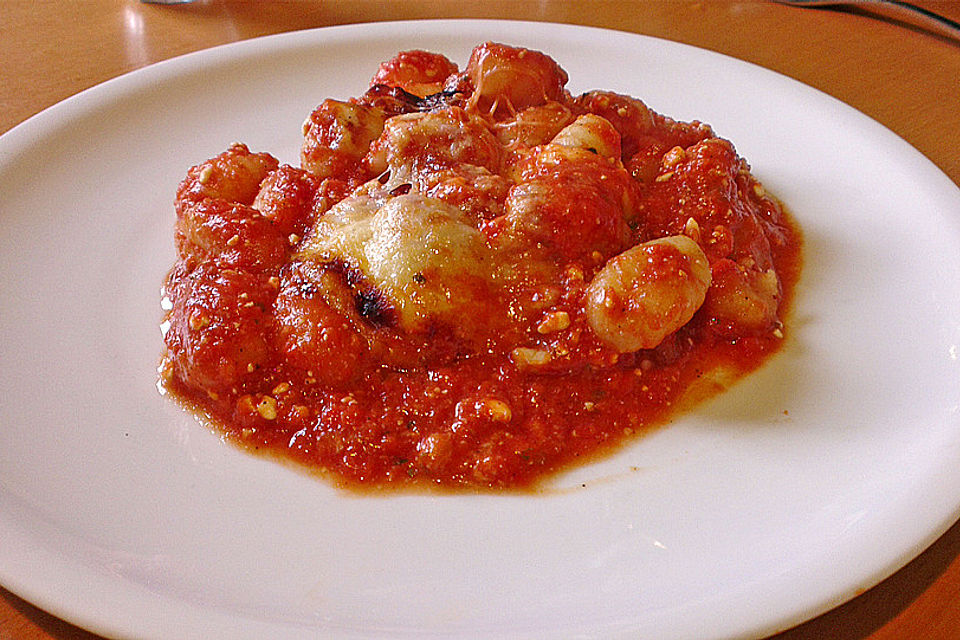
point(485, 367)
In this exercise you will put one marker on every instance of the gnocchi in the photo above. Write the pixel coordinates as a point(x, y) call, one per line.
point(472, 279)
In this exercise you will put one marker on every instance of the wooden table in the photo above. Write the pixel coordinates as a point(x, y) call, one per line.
point(903, 76)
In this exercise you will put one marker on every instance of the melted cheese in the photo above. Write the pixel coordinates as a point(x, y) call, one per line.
point(417, 251)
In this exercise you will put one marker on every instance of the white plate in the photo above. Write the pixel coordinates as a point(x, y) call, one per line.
point(814, 478)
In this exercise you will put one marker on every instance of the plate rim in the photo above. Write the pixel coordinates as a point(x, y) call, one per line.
point(122, 86)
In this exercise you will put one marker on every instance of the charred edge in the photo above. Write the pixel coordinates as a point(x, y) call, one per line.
point(370, 302)
point(372, 306)
point(392, 100)
point(438, 100)
point(395, 101)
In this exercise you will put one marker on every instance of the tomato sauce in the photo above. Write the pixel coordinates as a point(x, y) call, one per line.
point(429, 299)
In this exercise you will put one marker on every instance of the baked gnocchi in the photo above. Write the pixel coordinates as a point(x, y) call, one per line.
point(472, 279)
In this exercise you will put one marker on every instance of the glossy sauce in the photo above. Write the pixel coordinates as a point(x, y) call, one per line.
point(461, 286)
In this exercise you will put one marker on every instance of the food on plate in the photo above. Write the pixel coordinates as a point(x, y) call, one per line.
point(473, 278)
